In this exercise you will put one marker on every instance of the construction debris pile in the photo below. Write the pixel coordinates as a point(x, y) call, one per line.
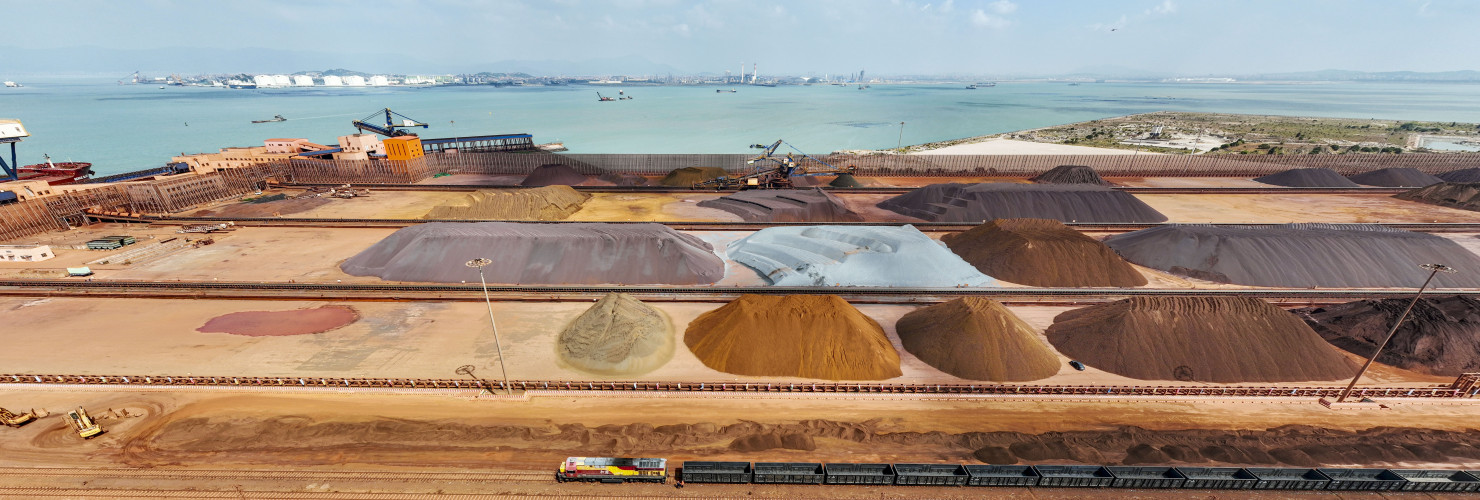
point(541, 203)
point(1071, 174)
point(987, 201)
point(1395, 177)
point(553, 174)
point(1297, 255)
point(1440, 337)
point(1308, 178)
point(688, 176)
point(526, 253)
point(808, 336)
point(280, 323)
point(1042, 252)
point(784, 205)
point(619, 335)
point(1461, 195)
point(1197, 339)
point(898, 256)
point(976, 339)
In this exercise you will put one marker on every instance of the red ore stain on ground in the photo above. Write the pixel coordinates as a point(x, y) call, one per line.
point(280, 323)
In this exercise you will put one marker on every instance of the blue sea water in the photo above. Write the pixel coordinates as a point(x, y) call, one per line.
point(129, 127)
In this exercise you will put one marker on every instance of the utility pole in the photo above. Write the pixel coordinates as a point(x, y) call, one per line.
point(900, 143)
point(1434, 269)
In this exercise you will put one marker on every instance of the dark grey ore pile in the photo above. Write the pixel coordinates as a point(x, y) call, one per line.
point(987, 201)
point(1070, 174)
point(1395, 177)
point(785, 205)
point(1308, 177)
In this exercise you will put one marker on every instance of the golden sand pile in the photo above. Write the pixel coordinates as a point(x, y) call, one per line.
point(976, 339)
point(619, 335)
point(810, 336)
point(541, 203)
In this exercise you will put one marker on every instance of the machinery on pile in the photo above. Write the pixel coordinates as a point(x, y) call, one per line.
point(15, 420)
point(84, 423)
point(775, 172)
point(391, 128)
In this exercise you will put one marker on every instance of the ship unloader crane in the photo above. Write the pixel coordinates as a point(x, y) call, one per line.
point(391, 128)
point(776, 171)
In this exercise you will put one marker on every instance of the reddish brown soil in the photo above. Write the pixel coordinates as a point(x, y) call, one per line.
point(279, 323)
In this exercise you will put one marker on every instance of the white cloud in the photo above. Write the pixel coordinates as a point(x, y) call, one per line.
point(1003, 7)
point(1166, 7)
point(1423, 10)
point(682, 30)
point(981, 19)
point(1119, 23)
point(947, 6)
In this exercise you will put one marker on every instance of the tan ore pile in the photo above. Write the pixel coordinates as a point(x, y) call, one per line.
point(1441, 335)
point(541, 203)
point(565, 253)
point(619, 335)
point(976, 339)
point(1201, 339)
point(808, 336)
point(1042, 252)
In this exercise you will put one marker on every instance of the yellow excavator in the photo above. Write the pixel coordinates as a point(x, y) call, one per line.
point(84, 423)
point(15, 420)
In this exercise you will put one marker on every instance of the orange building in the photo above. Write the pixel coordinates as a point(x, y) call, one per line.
point(406, 147)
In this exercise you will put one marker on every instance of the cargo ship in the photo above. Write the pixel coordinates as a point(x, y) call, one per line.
point(66, 172)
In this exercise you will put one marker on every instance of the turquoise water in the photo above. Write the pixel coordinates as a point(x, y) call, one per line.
point(122, 128)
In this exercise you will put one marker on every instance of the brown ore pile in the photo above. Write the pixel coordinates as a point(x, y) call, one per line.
point(278, 323)
point(1462, 175)
point(976, 339)
point(1070, 174)
point(1461, 195)
point(1440, 337)
point(564, 253)
point(785, 205)
point(1042, 252)
point(808, 336)
point(619, 335)
point(553, 174)
point(541, 203)
point(687, 176)
point(1202, 339)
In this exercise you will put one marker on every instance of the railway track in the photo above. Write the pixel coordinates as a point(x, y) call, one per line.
point(866, 190)
point(282, 475)
point(1461, 388)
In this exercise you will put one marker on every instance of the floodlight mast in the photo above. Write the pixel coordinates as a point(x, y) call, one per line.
point(1434, 269)
point(497, 344)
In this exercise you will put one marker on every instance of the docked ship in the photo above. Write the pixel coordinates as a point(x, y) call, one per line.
point(66, 172)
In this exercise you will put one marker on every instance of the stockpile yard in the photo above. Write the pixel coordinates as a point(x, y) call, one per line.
point(1197, 339)
point(540, 253)
point(1308, 178)
point(617, 336)
point(541, 203)
point(806, 336)
point(977, 339)
point(1071, 174)
point(792, 205)
point(1462, 195)
point(987, 201)
point(1441, 336)
point(886, 256)
point(688, 176)
point(1395, 177)
point(553, 174)
point(1297, 255)
point(1042, 252)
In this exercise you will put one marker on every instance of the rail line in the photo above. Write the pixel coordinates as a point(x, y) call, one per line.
point(265, 474)
point(864, 190)
point(1461, 388)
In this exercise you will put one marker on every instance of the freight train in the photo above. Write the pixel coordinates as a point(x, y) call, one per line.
point(1083, 476)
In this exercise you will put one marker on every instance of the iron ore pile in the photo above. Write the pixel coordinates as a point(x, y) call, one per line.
point(1201, 339)
point(791, 205)
point(1441, 335)
point(987, 201)
point(1395, 177)
point(899, 256)
point(1463, 175)
point(976, 339)
point(531, 253)
point(1296, 255)
point(688, 176)
point(1461, 195)
point(845, 181)
point(619, 335)
point(1042, 252)
point(552, 175)
point(809, 336)
point(541, 203)
point(1308, 178)
point(1071, 174)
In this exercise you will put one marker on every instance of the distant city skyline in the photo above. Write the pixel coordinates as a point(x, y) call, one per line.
point(816, 38)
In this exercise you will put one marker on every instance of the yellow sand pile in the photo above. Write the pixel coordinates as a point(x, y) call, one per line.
point(541, 203)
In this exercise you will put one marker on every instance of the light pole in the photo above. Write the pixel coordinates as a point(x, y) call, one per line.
point(478, 264)
point(1434, 269)
point(900, 143)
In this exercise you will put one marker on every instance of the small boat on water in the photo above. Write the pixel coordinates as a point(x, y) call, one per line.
point(603, 98)
point(12, 84)
point(275, 118)
point(723, 91)
point(971, 87)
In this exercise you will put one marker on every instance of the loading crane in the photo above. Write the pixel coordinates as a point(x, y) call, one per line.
point(15, 420)
point(391, 128)
point(775, 171)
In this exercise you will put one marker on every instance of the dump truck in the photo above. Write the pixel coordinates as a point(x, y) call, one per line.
point(14, 419)
point(83, 423)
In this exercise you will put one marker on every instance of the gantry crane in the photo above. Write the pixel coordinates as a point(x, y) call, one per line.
point(775, 172)
point(391, 128)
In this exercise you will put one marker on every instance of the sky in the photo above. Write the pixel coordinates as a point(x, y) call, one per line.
point(807, 37)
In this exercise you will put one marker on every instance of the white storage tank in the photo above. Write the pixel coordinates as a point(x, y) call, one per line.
point(379, 81)
point(354, 81)
point(281, 80)
point(333, 81)
point(263, 81)
point(302, 81)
